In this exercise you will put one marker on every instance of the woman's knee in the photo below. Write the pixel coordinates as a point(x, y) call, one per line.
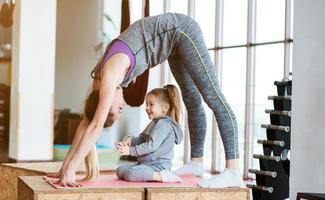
point(193, 103)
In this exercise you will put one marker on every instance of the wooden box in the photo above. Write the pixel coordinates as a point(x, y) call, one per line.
point(9, 175)
point(198, 193)
point(36, 188)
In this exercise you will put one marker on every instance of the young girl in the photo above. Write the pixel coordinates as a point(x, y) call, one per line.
point(154, 146)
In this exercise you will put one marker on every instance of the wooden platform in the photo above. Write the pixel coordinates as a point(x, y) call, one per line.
point(35, 188)
point(198, 193)
point(9, 175)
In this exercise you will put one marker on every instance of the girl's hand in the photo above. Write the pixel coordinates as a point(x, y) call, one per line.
point(127, 141)
point(123, 148)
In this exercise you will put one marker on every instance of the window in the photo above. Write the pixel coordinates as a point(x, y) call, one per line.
point(235, 22)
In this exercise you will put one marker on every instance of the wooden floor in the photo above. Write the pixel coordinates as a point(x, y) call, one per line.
point(36, 188)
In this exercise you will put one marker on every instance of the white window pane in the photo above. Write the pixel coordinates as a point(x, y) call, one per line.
point(235, 22)
point(211, 52)
point(205, 16)
point(269, 65)
point(241, 144)
point(234, 67)
point(207, 158)
point(179, 6)
point(270, 20)
point(136, 10)
point(257, 148)
point(111, 24)
point(233, 87)
point(269, 68)
point(156, 7)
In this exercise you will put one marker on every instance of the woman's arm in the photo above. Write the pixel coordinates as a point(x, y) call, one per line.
point(76, 140)
point(77, 137)
point(112, 75)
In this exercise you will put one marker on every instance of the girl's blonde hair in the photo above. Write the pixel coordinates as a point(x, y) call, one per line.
point(169, 94)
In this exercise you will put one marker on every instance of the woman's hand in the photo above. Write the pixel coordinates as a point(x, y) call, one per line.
point(55, 175)
point(123, 148)
point(67, 179)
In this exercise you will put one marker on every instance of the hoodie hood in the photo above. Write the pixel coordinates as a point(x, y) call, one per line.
point(177, 129)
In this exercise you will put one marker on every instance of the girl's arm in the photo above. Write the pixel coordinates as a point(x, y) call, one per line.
point(113, 73)
point(143, 136)
point(158, 134)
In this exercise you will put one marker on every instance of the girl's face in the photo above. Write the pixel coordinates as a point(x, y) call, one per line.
point(154, 108)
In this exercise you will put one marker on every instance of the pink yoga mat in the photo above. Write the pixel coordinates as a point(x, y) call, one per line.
point(111, 181)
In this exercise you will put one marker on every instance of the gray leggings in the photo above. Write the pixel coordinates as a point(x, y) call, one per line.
point(194, 72)
point(136, 172)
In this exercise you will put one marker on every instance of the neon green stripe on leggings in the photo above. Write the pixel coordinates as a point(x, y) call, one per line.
point(206, 70)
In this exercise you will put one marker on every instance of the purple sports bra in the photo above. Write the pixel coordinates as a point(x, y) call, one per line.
point(119, 46)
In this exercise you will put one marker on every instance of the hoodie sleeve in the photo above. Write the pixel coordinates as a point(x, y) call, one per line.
point(142, 137)
point(158, 134)
point(137, 140)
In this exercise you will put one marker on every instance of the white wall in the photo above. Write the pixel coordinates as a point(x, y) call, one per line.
point(78, 31)
point(308, 105)
point(32, 91)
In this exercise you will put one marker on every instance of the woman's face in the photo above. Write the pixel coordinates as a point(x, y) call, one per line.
point(118, 104)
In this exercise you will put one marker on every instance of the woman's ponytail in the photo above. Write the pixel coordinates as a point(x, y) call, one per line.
point(91, 165)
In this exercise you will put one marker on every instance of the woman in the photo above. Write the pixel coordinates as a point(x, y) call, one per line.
point(145, 44)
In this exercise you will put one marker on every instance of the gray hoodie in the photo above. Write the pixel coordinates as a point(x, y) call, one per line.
point(155, 145)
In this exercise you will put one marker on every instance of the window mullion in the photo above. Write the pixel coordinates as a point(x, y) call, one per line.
point(250, 82)
point(191, 8)
point(187, 144)
point(288, 36)
point(218, 63)
point(163, 69)
point(167, 5)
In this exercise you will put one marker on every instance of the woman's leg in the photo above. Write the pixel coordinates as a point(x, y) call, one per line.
point(197, 61)
point(192, 51)
point(193, 103)
point(195, 114)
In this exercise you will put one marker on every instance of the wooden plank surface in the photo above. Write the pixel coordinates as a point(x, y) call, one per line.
point(36, 188)
point(198, 193)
